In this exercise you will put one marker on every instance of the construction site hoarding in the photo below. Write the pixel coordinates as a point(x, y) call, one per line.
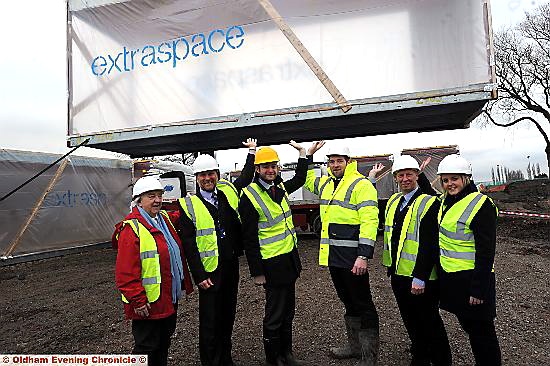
point(160, 77)
point(88, 196)
point(385, 183)
point(433, 155)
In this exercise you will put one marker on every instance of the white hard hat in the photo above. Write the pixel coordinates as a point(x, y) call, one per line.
point(404, 162)
point(146, 184)
point(454, 164)
point(339, 150)
point(204, 163)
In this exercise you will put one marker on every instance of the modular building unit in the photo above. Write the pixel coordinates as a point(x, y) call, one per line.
point(160, 77)
point(87, 198)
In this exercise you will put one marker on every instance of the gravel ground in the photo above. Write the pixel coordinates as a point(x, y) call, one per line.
point(69, 305)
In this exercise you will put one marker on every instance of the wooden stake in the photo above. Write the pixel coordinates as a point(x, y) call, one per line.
point(37, 206)
point(304, 53)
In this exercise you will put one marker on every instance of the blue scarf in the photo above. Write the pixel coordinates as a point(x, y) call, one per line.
point(176, 265)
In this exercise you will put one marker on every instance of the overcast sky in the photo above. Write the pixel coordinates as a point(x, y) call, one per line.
point(33, 97)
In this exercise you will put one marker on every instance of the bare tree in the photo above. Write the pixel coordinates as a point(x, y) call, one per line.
point(523, 68)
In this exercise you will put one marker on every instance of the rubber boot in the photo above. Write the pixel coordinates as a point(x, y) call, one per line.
point(286, 350)
point(370, 342)
point(352, 349)
point(272, 348)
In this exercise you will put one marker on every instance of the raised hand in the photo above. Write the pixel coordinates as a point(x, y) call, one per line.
point(376, 168)
point(425, 163)
point(297, 146)
point(250, 143)
point(315, 146)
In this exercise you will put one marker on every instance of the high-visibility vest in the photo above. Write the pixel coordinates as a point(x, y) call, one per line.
point(276, 234)
point(149, 256)
point(457, 251)
point(205, 236)
point(231, 193)
point(344, 206)
point(409, 238)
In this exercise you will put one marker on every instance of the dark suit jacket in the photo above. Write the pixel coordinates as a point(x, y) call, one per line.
point(283, 269)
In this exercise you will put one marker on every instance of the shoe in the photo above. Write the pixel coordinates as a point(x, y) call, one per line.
point(352, 349)
point(369, 339)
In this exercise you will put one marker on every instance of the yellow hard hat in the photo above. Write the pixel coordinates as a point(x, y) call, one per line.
point(266, 155)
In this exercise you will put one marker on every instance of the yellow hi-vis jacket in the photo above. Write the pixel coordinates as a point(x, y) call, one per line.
point(349, 215)
point(150, 263)
point(409, 238)
point(205, 231)
point(457, 250)
point(276, 232)
point(205, 236)
point(231, 193)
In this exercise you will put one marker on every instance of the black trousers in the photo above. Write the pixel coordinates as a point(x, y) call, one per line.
point(483, 340)
point(420, 314)
point(152, 338)
point(280, 304)
point(354, 292)
point(217, 307)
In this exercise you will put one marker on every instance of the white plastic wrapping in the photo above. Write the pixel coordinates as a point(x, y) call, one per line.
point(91, 196)
point(139, 63)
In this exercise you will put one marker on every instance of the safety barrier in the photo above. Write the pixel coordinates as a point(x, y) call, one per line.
point(525, 214)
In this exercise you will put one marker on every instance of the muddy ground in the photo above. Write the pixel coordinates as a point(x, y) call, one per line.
point(69, 305)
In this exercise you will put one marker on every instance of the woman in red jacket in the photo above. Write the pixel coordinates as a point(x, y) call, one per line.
point(150, 271)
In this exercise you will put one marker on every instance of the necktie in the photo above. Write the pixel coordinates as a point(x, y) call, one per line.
point(214, 199)
point(401, 205)
point(272, 190)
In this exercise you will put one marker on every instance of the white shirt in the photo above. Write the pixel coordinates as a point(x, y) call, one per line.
point(208, 196)
point(407, 198)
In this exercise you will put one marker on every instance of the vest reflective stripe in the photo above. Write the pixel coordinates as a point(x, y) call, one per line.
point(327, 181)
point(148, 254)
point(391, 208)
point(367, 241)
point(208, 253)
point(456, 239)
point(205, 231)
point(344, 243)
point(458, 255)
point(277, 237)
point(276, 234)
point(231, 193)
point(366, 204)
point(409, 238)
point(316, 185)
point(149, 257)
point(345, 204)
point(149, 281)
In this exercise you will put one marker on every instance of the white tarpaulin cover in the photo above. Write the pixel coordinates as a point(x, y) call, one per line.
point(146, 62)
point(91, 196)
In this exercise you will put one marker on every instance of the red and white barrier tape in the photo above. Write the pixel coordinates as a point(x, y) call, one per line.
point(527, 214)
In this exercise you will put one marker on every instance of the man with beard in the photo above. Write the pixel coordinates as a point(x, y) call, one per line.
point(271, 247)
point(349, 217)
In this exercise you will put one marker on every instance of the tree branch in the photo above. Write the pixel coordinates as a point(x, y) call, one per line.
point(526, 118)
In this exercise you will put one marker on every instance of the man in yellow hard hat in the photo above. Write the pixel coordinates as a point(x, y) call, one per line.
point(211, 238)
point(270, 247)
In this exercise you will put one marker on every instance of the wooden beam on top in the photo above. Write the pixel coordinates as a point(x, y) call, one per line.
point(304, 53)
